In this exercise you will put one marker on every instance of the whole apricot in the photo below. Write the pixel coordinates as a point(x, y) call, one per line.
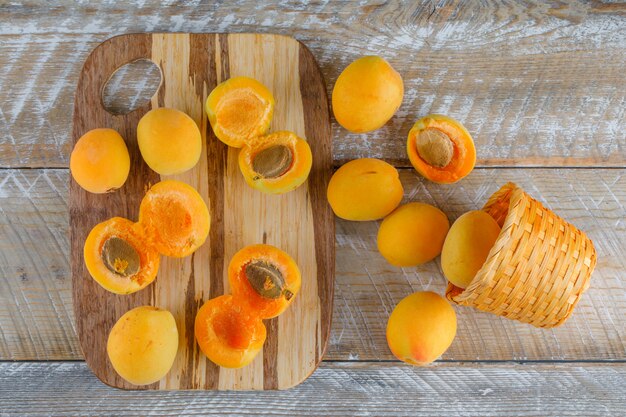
point(142, 345)
point(364, 189)
point(367, 94)
point(99, 161)
point(169, 141)
point(412, 234)
point(467, 246)
point(421, 328)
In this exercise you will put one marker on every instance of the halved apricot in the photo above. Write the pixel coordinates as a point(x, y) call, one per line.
point(276, 163)
point(175, 217)
point(118, 256)
point(239, 109)
point(264, 278)
point(441, 149)
point(229, 334)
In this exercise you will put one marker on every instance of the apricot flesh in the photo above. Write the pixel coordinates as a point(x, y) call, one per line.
point(100, 162)
point(142, 345)
point(169, 141)
point(367, 94)
point(421, 328)
point(467, 246)
point(364, 189)
point(412, 234)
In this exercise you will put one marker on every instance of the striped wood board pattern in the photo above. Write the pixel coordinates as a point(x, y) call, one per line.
point(300, 222)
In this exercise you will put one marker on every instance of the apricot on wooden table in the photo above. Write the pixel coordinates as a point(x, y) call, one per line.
point(169, 141)
point(441, 149)
point(239, 109)
point(421, 328)
point(412, 234)
point(276, 163)
point(264, 278)
point(119, 257)
point(364, 189)
point(175, 217)
point(100, 162)
point(467, 246)
point(229, 334)
point(142, 345)
point(367, 94)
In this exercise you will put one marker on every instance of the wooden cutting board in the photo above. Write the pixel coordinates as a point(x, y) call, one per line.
point(299, 222)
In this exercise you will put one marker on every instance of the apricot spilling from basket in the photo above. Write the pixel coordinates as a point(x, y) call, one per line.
point(229, 334)
point(364, 189)
point(467, 246)
point(421, 328)
point(169, 141)
point(367, 94)
point(441, 149)
point(412, 234)
point(276, 163)
point(239, 109)
point(142, 345)
point(100, 162)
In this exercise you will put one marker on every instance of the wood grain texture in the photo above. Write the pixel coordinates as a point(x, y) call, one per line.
point(299, 222)
point(537, 83)
point(36, 321)
point(336, 389)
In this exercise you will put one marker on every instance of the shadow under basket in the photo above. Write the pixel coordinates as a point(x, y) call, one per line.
point(538, 268)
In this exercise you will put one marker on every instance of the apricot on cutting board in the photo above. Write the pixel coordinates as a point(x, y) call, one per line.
point(100, 162)
point(264, 278)
point(421, 328)
point(239, 109)
point(467, 246)
point(441, 149)
point(118, 256)
point(142, 345)
point(169, 141)
point(412, 234)
point(364, 189)
point(367, 94)
point(276, 163)
point(229, 334)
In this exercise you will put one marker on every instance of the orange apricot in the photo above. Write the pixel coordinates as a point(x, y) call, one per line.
point(367, 94)
point(264, 278)
point(118, 256)
point(364, 189)
point(100, 162)
point(276, 163)
point(239, 109)
point(441, 149)
point(227, 333)
point(175, 217)
point(169, 141)
point(421, 328)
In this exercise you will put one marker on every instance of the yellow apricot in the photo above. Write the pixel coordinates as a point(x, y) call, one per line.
point(467, 246)
point(364, 189)
point(421, 328)
point(100, 162)
point(142, 345)
point(412, 234)
point(367, 94)
point(169, 141)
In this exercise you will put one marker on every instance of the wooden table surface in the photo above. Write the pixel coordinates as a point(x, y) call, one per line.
point(542, 88)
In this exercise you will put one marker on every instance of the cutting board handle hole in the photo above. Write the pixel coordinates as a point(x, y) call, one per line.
point(131, 86)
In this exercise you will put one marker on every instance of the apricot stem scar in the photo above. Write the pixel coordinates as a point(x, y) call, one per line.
point(273, 162)
point(434, 147)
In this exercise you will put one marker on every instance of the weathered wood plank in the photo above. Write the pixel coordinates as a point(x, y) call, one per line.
point(336, 389)
point(536, 84)
point(36, 319)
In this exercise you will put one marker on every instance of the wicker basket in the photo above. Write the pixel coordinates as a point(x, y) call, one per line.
point(538, 268)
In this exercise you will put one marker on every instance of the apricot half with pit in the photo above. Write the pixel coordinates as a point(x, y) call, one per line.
point(142, 345)
point(364, 189)
point(421, 328)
